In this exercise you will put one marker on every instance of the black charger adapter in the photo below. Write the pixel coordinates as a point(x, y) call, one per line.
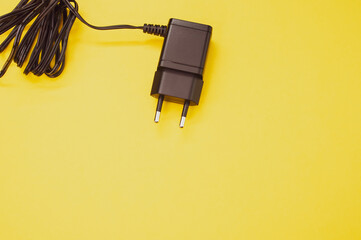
point(179, 77)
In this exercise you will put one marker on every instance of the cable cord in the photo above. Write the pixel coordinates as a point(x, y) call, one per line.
point(46, 40)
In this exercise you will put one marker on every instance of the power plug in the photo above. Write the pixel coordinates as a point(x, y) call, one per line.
point(179, 77)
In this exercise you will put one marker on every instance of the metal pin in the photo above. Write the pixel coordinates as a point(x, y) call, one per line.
point(159, 108)
point(184, 113)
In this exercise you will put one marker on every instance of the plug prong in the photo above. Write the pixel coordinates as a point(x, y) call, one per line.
point(159, 108)
point(184, 113)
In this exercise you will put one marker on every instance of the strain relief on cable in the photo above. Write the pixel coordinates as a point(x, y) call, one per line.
point(157, 30)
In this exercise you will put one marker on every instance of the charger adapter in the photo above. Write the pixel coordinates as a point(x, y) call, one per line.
point(179, 77)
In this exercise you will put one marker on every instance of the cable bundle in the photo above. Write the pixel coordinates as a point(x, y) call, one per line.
point(46, 39)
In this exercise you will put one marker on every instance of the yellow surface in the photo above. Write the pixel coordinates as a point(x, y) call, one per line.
point(272, 152)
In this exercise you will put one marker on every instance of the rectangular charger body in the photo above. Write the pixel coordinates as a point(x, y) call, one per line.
point(179, 76)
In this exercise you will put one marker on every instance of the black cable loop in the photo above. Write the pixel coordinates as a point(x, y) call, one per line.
point(49, 32)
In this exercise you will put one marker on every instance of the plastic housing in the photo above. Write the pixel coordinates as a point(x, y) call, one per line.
point(179, 76)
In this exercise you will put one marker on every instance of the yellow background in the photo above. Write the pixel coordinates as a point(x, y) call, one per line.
point(272, 151)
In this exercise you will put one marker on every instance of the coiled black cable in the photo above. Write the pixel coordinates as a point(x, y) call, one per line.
point(52, 21)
